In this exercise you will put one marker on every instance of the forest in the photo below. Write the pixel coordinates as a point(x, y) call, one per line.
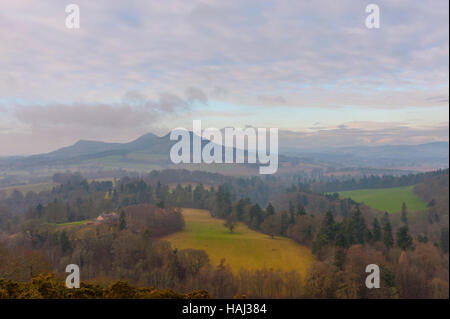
point(41, 233)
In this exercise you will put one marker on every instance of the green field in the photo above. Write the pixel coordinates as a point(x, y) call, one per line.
point(244, 248)
point(77, 223)
point(387, 199)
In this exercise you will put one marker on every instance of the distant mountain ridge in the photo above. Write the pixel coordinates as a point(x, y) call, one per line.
point(153, 151)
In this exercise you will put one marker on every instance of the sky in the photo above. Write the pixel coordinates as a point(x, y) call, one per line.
point(312, 69)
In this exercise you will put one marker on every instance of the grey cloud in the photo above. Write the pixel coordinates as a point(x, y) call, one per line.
point(271, 100)
point(439, 99)
point(135, 110)
point(196, 95)
point(83, 115)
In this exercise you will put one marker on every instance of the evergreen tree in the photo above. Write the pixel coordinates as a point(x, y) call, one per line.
point(40, 210)
point(385, 219)
point(301, 210)
point(160, 204)
point(122, 221)
point(270, 210)
point(404, 213)
point(328, 227)
point(388, 238)
point(291, 207)
point(65, 243)
point(223, 204)
point(341, 236)
point(240, 209)
point(357, 229)
point(339, 258)
point(256, 217)
point(291, 213)
point(284, 222)
point(326, 233)
point(444, 240)
point(376, 230)
point(404, 240)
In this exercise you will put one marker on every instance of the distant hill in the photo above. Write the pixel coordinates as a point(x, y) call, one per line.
point(150, 152)
point(430, 155)
point(145, 153)
point(148, 148)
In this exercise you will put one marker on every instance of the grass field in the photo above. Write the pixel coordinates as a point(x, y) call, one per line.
point(244, 248)
point(78, 223)
point(387, 199)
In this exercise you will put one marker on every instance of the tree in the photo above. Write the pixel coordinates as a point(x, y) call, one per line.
point(160, 204)
point(444, 240)
point(376, 230)
point(122, 221)
point(223, 205)
point(291, 213)
point(239, 209)
point(404, 240)
point(326, 234)
point(388, 238)
point(270, 210)
point(341, 236)
point(328, 227)
point(65, 243)
point(339, 258)
point(230, 222)
point(357, 228)
point(255, 216)
point(284, 222)
point(404, 213)
point(301, 210)
point(271, 226)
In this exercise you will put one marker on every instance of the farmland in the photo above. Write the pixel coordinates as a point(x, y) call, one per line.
point(243, 248)
point(387, 199)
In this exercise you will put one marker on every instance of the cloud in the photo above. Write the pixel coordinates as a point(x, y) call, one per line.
point(171, 57)
point(196, 95)
point(439, 99)
point(310, 53)
point(271, 100)
point(40, 128)
point(134, 110)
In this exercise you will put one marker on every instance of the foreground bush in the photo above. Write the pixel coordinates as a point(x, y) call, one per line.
point(47, 287)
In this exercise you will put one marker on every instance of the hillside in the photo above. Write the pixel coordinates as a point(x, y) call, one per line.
point(244, 248)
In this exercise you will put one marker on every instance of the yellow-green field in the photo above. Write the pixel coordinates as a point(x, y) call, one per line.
point(244, 248)
point(387, 199)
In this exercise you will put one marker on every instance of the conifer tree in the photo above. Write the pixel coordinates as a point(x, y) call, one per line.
point(122, 221)
point(404, 240)
point(270, 210)
point(376, 231)
point(388, 238)
point(404, 213)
